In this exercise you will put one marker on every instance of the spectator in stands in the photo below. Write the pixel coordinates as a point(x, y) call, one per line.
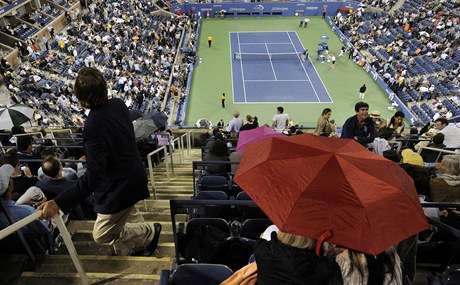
point(446, 186)
point(375, 116)
point(323, 126)
point(217, 152)
point(115, 173)
point(431, 156)
point(291, 259)
point(55, 182)
point(395, 123)
point(451, 133)
point(25, 152)
point(21, 176)
point(280, 120)
point(252, 123)
point(19, 212)
point(359, 127)
point(235, 124)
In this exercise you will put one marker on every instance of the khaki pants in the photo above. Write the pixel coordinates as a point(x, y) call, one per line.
point(126, 227)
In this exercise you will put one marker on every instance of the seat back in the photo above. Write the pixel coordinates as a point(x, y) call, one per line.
point(200, 274)
point(214, 211)
point(245, 213)
point(213, 183)
point(253, 228)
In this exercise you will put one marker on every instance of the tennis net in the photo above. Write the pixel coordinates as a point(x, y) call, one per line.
point(267, 56)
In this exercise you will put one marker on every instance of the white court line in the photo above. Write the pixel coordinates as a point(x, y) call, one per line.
point(280, 80)
point(271, 63)
point(265, 43)
point(242, 70)
point(231, 63)
point(303, 67)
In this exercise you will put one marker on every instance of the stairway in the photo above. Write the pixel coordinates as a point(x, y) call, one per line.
point(100, 265)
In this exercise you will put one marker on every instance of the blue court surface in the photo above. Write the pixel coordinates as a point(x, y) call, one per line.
point(268, 67)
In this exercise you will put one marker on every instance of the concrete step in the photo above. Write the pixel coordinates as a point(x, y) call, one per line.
point(64, 278)
point(101, 265)
point(107, 264)
point(89, 247)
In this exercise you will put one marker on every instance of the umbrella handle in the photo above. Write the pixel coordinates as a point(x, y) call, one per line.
point(322, 238)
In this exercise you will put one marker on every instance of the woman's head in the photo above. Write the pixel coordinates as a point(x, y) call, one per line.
point(326, 112)
point(91, 88)
point(450, 164)
point(397, 118)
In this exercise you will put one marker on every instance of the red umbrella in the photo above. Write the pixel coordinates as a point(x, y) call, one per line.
point(312, 185)
point(254, 135)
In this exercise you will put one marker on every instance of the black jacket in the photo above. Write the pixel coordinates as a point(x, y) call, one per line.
point(115, 172)
point(279, 264)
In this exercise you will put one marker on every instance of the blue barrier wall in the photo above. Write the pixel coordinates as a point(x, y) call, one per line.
point(259, 9)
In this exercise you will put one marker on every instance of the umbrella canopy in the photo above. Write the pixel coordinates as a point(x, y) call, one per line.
point(254, 135)
point(135, 114)
point(15, 115)
point(203, 123)
point(143, 128)
point(159, 118)
point(311, 185)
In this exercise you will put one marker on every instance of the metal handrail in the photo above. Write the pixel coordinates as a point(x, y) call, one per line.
point(65, 236)
point(149, 162)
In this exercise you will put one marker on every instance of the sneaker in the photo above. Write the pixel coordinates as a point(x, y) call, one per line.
point(150, 249)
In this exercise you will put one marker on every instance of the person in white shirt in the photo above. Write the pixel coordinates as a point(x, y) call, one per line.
point(235, 124)
point(451, 133)
point(280, 120)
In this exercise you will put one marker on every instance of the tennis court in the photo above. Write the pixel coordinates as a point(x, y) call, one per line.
point(213, 75)
point(268, 67)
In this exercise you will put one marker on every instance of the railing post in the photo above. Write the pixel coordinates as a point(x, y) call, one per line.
point(188, 143)
point(71, 249)
point(152, 180)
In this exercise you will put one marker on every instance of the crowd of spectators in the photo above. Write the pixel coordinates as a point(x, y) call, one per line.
point(134, 47)
point(414, 49)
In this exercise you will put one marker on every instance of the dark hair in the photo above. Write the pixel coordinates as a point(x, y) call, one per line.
point(50, 166)
point(438, 138)
point(219, 148)
point(17, 130)
point(392, 154)
point(360, 105)
point(399, 114)
point(10, 158)
point(23, 142)
point(280, 109)
point(91, 88)
point(325, 111)
point(413, 131)
point(442, 120)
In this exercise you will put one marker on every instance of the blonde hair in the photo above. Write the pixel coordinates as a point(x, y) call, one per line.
point(296, 241)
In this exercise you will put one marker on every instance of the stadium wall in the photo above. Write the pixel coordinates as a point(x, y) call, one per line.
point(262, 9)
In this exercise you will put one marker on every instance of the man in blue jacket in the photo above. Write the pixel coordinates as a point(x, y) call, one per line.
point(115, 173)
point(359, 127)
